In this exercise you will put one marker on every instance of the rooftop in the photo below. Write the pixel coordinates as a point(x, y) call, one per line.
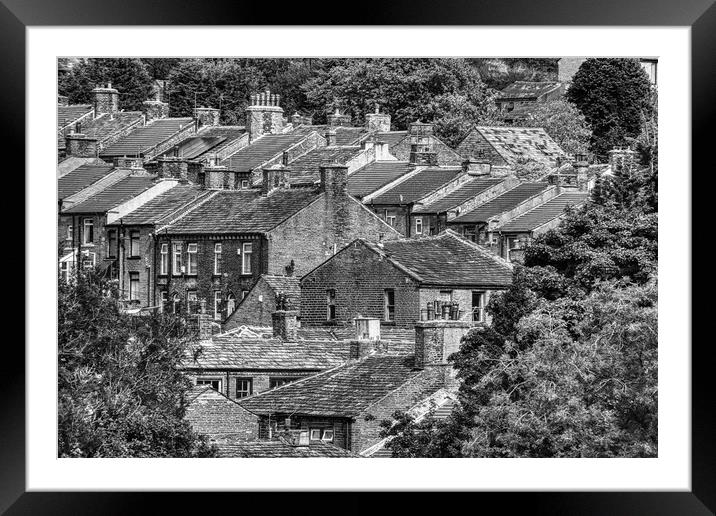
point(261, 150)
point(346, 390)
point(278, 448)
point(528, 89)
point(143, 139)
point(447, 260)
point(229, 351)
point(71, 163)
point(344, 135)
point(306, 168)
point(68, 114)
point(80, 178)
point(289, 285)
point(417, 186)
point(167, 205)
point(375, 175)
point(514, 143)
point(209, 140)
point(465, 192)
point(502, 203)
point(545, 213)
point(243, 211)
point(113, 195)
point(105, 125)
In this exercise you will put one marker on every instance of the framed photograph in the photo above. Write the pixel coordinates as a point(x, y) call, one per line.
point(433, 232)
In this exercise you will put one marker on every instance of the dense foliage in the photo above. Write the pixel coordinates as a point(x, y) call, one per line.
point(563, 122)
point(120, 391)
point(615, 97)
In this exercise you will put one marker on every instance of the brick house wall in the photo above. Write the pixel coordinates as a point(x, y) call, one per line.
point(99, 245)
point(476, 146)
point(205, 282)
point(260, 378)
point(359, 277)
point(140, 266)
point(313, 234)
point(401, 212)
point(212, 414)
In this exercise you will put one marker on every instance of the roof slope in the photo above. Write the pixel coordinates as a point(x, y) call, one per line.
point(289, 285)
point(546, 212)
point(243, 211)
point(165, 205)
point(447, 260)
point(71, 163)
point(113, 195)
point(81, 178)
point(528, 89)
point(261, 150)
point(145, 138)
point(68, 114)
point(346, 390)
point(230, 351)
point(514, 143)
point(271, 449)
point(502, 203)
point(417, 186)
point(344, 135)
point(465, 192)
point(375, 175)
point(105, 125)
point(306, 168)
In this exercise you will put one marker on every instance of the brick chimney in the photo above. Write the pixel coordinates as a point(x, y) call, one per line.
point(421, 144)
point(330, 137)
point(336, 119)
point(206, 117)
point(81, 146)
point(169, 166)
point(264, 115)
point(581, 166)
point(275, 176)
point(435, 341)
point(285, 324)
point(334, 184)
point(106, 100)
point(334, 178)
point(477, 167)
point(377, 121)
point(134, 164)
point(154, 109)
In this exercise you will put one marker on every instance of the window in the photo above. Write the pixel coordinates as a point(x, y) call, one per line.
point(175, 303)
point(470, 234)
point(390, 217)
point(191, 258)
point(70, 232)
point(244, 184)
point(512, 243)
point(133, 286)
point(88, 231)
point(389, 304)
point(65, 271)
point(244, 387)
point(164, 259)
point(418, 225)
point(315, 434)
point(330, 305)
point(230, 304)
point(134, 243)
point(214, 382)
point(176, 257)
point(478, 303)
point(217, 258)
point(278, 382)
point(327, 435)
point(217, 305)
point(163, 300)
point(111, 243)
point(191, 302)
point(247, 250)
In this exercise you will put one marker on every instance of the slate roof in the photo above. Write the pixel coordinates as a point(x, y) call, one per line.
point(71, 163)
point(502, 203)
point(306, 168)
point(289, 285)
point(145, 138)
point(113, 195)
point(344, 135)
point(545, 213)
point(513, 143)
point(261, 150)
point(528, 90)
point(229, 351)
point(208, 140)
point(447, 260)
point(243, 211)
point(465, 192)
point(68, 114)
point(80, 178)
point(344, 391)
point(275, 449)
point(391, 137)
point(230, 133)
point(417, 186)
point(105, 125)
point(375, 175)
point(166, 206)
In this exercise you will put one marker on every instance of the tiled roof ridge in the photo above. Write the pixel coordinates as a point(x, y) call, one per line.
point(584, 195)
point(484, 252)
point(381, 251)
point(187, 206)
point(512, 127)
point(293, 214)
point(392, 184)
point(417, 376)
point(188, 211)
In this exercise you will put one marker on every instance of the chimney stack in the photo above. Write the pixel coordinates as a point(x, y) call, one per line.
point(421, 144)
point(154, 109)
point(339, 120)
point(264, 115)
point(206, 117)
point(435, 341)
point(334, 178)
point(377, 121)
point(275, 176)
point(285, 324)
point(81, 146)
point(106, 100)
point(330, 138)
point(477, 167)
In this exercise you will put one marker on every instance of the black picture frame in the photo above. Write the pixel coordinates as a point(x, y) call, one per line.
point(700, 15)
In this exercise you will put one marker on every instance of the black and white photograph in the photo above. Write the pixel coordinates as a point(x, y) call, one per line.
point(357, 257)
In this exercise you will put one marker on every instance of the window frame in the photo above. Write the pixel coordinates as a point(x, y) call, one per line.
point(134, 238)
point(282, 379)
point(326, 431)
point(312, 432)
point(177, 258)
point(391, 219)
point(133, 280)
point(250, 383)
point(111, 243)
point(85, 231)
point(218, 249)
point(331, 296)
point(192, 296)
point(418, 225)
point(217, 305)
point(244, 260)
point(481, 307)
point(387, 305)
point(164, 259)
point(192, 259)
point(208, 380)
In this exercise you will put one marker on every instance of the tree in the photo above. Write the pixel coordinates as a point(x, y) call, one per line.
point(563, 122)
point(160, 68)
point(448, 92)
point(121, 393)
point(128, 76)
point(614, 96)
